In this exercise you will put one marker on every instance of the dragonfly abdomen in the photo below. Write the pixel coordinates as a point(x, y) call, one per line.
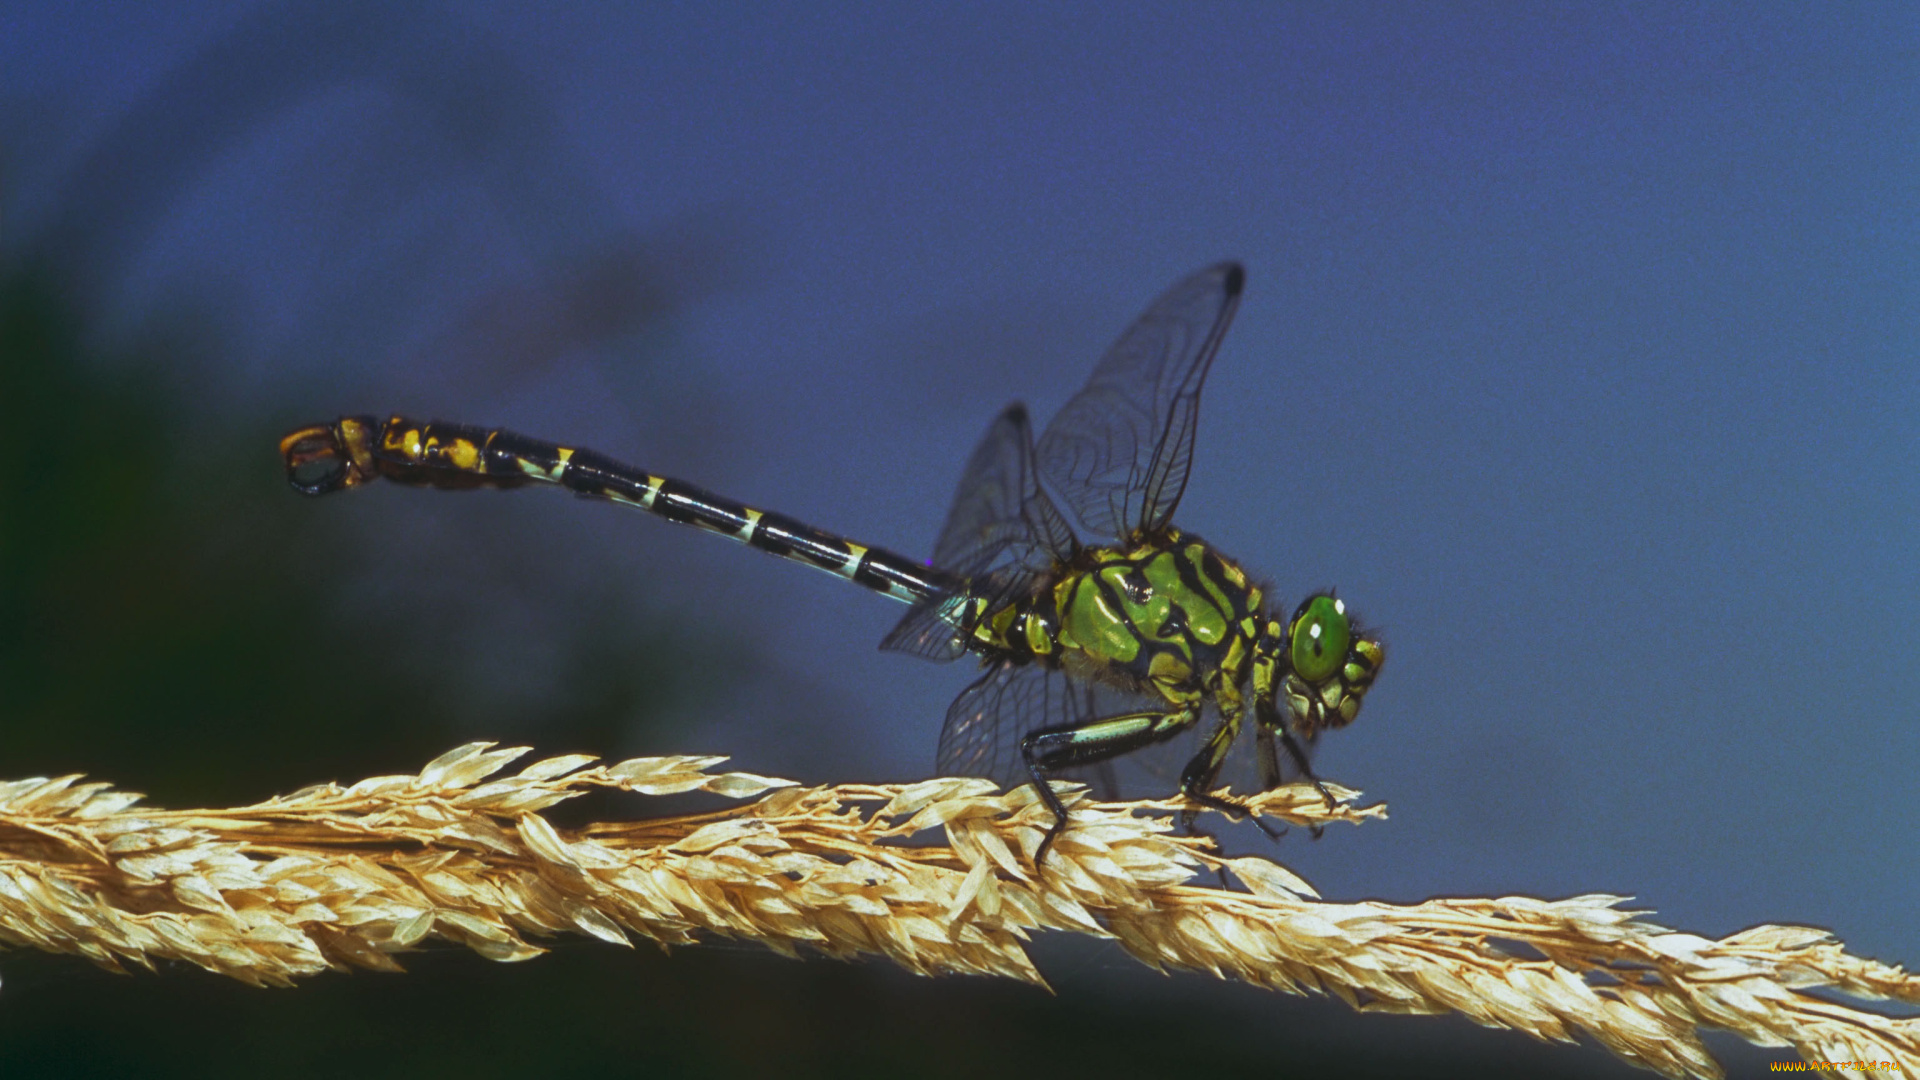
point(355, 449)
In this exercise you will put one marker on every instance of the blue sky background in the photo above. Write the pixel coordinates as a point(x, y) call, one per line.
point(1578, 350)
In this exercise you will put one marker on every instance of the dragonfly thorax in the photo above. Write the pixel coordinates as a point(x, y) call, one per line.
point(1161, 613)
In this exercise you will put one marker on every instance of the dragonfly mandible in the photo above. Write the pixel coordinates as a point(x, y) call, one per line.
point(1148, 616)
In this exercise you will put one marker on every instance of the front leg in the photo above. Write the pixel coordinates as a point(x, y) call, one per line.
point(1052, 749)
point(1272, 729)
point(1272, 726)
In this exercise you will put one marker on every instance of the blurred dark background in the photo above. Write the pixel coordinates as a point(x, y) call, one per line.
point(1578, 350)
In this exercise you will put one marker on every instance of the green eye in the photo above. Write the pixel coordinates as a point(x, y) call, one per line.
point(1320, 638)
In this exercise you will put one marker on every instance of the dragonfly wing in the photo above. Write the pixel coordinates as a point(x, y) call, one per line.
point(1120, 451)
point(1011, 700)
point(932, 630)
point(987, 721)
point(1001, 531)
point(1000, 517)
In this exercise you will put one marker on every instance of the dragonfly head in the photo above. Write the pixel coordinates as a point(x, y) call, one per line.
point(1331, 662)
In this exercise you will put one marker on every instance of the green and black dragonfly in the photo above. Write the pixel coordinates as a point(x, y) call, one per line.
point(1091, 651)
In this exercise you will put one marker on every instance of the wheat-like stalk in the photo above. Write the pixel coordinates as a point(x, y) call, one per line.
point(333, 877)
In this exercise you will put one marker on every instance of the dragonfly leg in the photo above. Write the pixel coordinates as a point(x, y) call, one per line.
point(1273, 730)
point(1196, 780)
point(1268, 753)
point(1267, 664)
point(1052, 749)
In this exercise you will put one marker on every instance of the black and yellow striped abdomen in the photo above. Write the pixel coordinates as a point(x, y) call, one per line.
point(356, 449)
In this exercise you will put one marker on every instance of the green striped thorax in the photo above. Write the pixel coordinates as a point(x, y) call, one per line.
point(1164, 609)
point(1165, 613)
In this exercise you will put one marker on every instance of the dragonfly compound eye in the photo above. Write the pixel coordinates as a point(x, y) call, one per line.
point(1321, 634)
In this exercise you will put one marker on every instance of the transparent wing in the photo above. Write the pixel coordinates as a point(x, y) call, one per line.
point(1119, 452)
point(987, 721)
point(1001, 531)
point(937, 629)
point(1000, 518)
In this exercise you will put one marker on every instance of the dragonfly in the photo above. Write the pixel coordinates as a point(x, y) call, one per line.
point(1092, 649)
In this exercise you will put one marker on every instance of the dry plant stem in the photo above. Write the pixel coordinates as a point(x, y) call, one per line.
point(333, 877)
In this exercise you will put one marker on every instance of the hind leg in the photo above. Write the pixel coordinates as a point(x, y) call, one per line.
point(1052, 749)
